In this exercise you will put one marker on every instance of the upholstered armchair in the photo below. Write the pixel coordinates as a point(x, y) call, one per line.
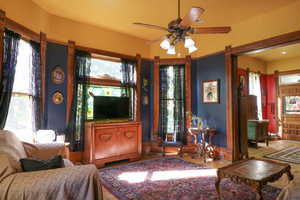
point(70, 182)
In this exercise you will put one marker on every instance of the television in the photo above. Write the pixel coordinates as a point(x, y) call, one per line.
point(111, 107)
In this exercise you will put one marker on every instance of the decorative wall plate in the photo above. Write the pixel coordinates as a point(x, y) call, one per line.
point(57, 98)
point(57, 75)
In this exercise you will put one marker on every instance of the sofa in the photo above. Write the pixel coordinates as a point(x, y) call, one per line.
point(70, 182)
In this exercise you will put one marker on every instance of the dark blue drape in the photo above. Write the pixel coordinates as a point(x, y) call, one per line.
point(11, 47)
point(75, 130)
point(172, 102)
point(128, 83)
point(36, 82)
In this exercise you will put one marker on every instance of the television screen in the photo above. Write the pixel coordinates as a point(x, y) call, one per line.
point(111, 107)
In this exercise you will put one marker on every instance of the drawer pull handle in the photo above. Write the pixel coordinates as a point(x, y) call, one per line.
point(105, 138)
point(129, 135)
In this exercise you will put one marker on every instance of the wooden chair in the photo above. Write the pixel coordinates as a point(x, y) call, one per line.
point(172, 144)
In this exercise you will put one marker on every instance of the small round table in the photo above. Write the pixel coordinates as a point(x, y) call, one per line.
point(203, 148)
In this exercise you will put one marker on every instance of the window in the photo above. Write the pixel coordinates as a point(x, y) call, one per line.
point(104, 69)
point(292, 105)
point(20, 114)
point(289, 79)
point(172, 101)
point(106, 77)
point(255, 89)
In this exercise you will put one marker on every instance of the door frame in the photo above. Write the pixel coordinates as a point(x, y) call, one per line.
point(231, 54)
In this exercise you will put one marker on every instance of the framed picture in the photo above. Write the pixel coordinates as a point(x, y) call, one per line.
point(210, 92)
point(57, 75)
point(57, 97)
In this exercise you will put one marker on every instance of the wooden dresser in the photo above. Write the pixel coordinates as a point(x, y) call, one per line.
point(107, 142)
point(247, 111)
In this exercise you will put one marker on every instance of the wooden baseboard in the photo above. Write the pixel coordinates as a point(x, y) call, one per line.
point(156, 148)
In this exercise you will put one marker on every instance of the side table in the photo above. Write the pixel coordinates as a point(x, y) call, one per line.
point(253, 172)
point(203, 149)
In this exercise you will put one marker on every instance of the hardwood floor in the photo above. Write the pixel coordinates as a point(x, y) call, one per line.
point(253, 152)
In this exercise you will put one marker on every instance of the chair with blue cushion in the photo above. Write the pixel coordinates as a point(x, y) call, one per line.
point(177, 144)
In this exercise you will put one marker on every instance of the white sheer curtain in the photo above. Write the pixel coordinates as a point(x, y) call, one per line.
point(255, 89)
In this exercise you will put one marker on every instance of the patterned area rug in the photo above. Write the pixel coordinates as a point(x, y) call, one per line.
point(290, 154)
point(173, 178)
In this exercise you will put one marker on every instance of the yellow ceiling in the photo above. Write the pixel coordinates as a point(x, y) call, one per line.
point(291, 51)
point(118, 15)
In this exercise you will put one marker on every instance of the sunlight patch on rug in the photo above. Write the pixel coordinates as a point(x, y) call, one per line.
point(182, 174)
point(133, 177)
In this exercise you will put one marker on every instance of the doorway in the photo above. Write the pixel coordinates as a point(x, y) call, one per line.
point(289, 98)
point(271, 99)
point(269, 84)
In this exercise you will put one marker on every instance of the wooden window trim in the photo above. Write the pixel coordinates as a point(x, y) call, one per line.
point(21, 93)
point(104, 82)
point(297, 71)
point(188, 102)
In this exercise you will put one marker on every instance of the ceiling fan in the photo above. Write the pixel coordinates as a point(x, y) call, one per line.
point(180, 29)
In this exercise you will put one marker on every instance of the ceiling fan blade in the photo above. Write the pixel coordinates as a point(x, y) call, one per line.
point(211, 30)
point(151, 26)
point(191, 17)
point(155, 40)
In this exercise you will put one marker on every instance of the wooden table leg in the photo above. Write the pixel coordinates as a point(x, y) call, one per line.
point(217, 185)
point(258, 192)
point(289, 174)
point(204, 147)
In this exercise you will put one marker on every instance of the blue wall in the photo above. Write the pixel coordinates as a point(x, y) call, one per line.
point(55, 114)
point(210, 68)
point(147, 92)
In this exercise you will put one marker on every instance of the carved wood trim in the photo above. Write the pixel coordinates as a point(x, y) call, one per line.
point(22, 30)
point(288, 38)
point(138, 88)
point(289, 72)
point(232, 105)
point(2, 27)
point(276, 77)
point(105, 53)
point(172, 61)
point(43, 48)
point(70, 79)
point(105, 82)
point(156, 97)
point(188, 91)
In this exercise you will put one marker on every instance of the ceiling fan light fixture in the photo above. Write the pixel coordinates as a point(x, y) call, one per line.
point(192, 49)
point(165, 44)
point(171, 50)
point(188, 42)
